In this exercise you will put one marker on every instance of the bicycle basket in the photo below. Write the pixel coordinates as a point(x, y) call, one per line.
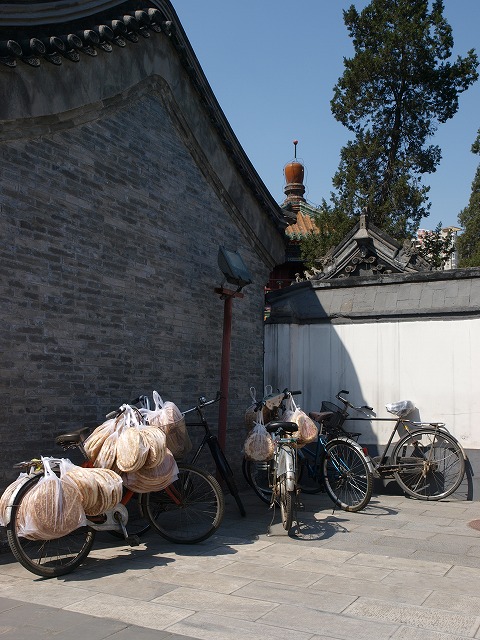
point(336, 419)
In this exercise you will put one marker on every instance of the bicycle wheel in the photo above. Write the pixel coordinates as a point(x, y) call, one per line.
point(47, 558)
point(138, 523)
point(226, 472)
point(258, 475)
point(348, 480)
point(189, 510)
point(285, 500)
point(431, 464)
point(310, 478)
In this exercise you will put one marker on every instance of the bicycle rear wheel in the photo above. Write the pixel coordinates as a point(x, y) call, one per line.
point(348, 480)
point(431, 464)
point(189, 510)
point(258, 475)
point(310, 478)
point(47, 558)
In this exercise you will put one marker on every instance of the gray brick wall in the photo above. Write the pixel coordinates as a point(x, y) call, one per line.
point(110, 233)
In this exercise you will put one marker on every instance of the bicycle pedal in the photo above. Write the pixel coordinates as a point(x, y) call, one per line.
point(133, 541)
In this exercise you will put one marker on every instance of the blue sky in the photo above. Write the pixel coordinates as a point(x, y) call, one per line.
point(272, 65)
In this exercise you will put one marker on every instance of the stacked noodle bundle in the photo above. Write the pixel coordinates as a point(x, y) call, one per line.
point(136, 450)
point(100, 489)
point(52, 509)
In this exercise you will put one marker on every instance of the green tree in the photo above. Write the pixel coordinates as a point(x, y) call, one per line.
point(469, 218)
point(332, 225)
point(436, 247)
point(393, 94)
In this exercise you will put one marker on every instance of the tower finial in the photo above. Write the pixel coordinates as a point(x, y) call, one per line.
point(295, 142)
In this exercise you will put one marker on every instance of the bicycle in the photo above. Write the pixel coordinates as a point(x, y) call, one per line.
point(428, 463)
point(335, 463)
point(221, 463)
point(187, 511)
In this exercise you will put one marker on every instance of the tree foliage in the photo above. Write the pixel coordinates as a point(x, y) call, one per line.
point(333, 225)
point(469, 218)
point(436, 247)
point(395, 91)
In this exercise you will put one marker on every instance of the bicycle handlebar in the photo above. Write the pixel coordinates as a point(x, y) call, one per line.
point(362, 409)
point(203, 402)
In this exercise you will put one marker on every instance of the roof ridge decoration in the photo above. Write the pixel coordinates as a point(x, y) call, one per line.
point(44, 40)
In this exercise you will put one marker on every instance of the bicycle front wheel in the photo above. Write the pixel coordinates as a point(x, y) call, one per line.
point(348, 480)
point(226, 472)
point(258, 476)
point(431, 465)
point(189, 510)
point(285, 499)
point(47, 558)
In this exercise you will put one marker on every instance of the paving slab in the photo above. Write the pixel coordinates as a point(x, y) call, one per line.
point(402, 569)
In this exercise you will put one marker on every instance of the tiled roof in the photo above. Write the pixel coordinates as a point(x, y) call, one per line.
point(304, 225)
point(45, 39)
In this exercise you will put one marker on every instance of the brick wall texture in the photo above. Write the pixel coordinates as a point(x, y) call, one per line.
point(110, 234)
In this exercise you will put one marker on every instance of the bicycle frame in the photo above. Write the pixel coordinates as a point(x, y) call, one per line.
point(286, 462)
point(321, 451)
point(381, 465)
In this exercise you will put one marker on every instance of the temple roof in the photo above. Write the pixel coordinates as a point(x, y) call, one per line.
point(367, 251)
point(69, 34)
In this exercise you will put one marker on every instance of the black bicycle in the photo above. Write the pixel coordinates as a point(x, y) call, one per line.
point(224, 470)
point(334, 463)
point(428, 462)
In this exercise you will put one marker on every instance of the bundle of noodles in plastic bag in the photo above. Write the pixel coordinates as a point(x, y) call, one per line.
point(155, 478)
point(100, 489)
point(52, 509)
point(170, 419)
point(259, 445)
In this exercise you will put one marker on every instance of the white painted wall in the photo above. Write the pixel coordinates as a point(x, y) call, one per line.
point(434, 363)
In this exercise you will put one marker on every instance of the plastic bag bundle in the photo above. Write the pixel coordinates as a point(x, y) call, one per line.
point(100, 489)
point(155, 478)
point(9, 492)
point(269, 410)
point(307, 429)
point(93, 444)
point(259, 445)
point(170, 419)
point(155, 441)
point(52, 509)
point(117, 444)
point(402, 408)
point(131, 451)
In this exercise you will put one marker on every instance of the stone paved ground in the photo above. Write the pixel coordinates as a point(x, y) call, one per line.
point(402, 569)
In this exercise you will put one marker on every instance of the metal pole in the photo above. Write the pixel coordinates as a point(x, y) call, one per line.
point(227, 295)
point(225, 371)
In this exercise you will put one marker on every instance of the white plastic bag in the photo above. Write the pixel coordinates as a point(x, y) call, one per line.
point(52, 509)
point(259, 445)
point(7, 495)
point(401, 408)
point(307, 429)
point(170, 419)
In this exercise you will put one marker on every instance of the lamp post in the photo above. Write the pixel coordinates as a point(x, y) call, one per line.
point(236, 273)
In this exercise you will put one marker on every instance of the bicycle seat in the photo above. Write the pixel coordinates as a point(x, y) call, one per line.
point(320, 416)
point(287, 427)
point(72, 438)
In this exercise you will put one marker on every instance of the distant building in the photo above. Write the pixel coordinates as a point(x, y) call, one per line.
point(452, 261)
